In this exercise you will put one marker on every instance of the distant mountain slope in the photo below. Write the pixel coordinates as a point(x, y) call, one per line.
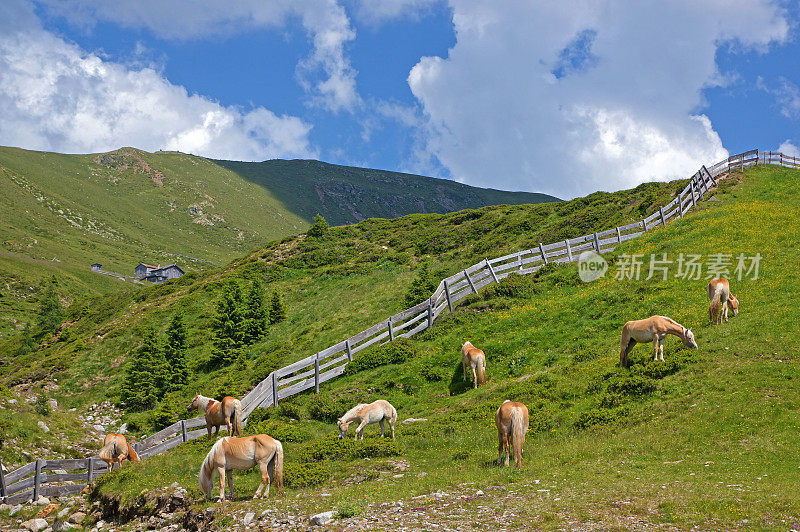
point(61, 213)
point(346, 194)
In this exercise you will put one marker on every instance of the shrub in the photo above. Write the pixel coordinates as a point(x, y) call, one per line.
point(346, 509)
point(326, 408)
point(395, 352)
point(633, 385)
point(348, 449)
point(319, 227)
point(299, 476)
point(42, 407)
point(258, 415)
point(514, 286)
point(600, 416)
point(280, 430)
point(583, 356)
point(658, 370)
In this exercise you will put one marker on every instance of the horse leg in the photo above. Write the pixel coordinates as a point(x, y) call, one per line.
point(228, 424)
point(221, 471)
point(230, 486)
point(208, 427)
point(383, 432)
point(391, 426)
point(655, 347)
point(360, 429)
point(474, 378)
point(263, 469)
point(216, 433)
point(500, 446)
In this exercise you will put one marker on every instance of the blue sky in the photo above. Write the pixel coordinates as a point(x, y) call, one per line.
point(515, 95)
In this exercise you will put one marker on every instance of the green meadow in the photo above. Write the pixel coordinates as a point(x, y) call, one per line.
point(709, 438)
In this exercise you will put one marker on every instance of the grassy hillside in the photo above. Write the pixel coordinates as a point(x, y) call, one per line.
point(333, 286)
point(346, 194)
point(61, 213)
point(707, 439)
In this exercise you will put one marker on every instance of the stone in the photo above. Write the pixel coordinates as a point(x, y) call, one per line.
point(42, 501)
point(99, 428)
point(53, 403)
point(248, 518)
point(123, 429)
point(4, 507)
point(61, 525)
point(321, 519)
point(35, 525)
point(479, 493)
point(60, 471)
point(413, 420)
point(14, 510)
point(44, 427)
point(12, 401)
point(77, 518)
point(62, 513)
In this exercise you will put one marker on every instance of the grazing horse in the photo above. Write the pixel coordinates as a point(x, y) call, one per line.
point(116, 450)
point(719, 291)
point(474, 359)
point(512, 424)
point(227, 412)
point(653, 329)
point(376, 412)
point(242, 453)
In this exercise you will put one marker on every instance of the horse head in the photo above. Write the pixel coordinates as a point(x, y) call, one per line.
point(343, 426)
point(205, 481)
point(733, 304)
point(688, 339)
point(194, 404)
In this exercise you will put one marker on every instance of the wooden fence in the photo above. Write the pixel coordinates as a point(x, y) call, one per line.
point(35, 478)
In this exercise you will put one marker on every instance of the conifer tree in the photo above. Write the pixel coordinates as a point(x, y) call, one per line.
point(421, 287)
point(175, 353)
point(256, 314)
point(319, 227)
point(277, 311)
point(144, 376)
point(51, 312)
point(228, 325)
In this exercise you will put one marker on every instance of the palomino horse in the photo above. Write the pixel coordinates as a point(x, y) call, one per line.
point(228, 411)
point(512, 424)
point(376, 412)
point(473, 359)
point(242, 453)
point(116, 450)
point(653, 329)
point(719, 291)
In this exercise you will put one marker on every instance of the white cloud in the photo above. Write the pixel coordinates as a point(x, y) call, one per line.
point(326, 73)
point(567, 98)
point(788, 148)
point(54, 96)
point(378, 11)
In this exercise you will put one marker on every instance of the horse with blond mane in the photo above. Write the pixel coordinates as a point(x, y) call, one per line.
point(473, 359)
point(512, 424)
point(653, 329)
point(376, 412)
point(116, 450)
point(719, 292)
point(227, 412)
point(242, 453)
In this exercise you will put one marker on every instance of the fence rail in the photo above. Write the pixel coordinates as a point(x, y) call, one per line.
point(34, 479)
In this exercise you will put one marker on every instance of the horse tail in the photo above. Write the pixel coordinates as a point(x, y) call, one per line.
point(518, 430)
point(713, 309)
point(623, 348)
point(108, 452)
point(480, 370)
point(236, 418)
point(277, 460)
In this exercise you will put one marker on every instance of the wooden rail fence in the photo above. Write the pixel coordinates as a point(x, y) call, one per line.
point(50, 477)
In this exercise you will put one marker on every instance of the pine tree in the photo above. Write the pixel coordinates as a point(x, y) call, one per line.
point(256, 314)
point(51, 312)
point(421, 287)
point(277, 311)
point(140, 390)
point(228, 325)
point(175, 353)
point(319, 227)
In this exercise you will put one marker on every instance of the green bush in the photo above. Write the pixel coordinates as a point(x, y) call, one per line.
point(326, 408)
point(395, 352)
point(42, 407)
point(658, 370)
point(298, 476)
point(258, 415)
point(583, 355)
point(514, 286)
point(280, 430)
point(633, 385)
point(600, 416)
point(348, 449)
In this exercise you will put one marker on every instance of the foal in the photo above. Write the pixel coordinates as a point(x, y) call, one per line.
point(376, 412)
point(227, 412)
point(512, 424)
point(653, 329)
point(474, 359)
point(116, 450)
point(719, 291)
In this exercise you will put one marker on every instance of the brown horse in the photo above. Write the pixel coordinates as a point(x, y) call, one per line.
point(473, 359)
point(227, 412)
point(719, 292)
point(243, 453)
point(512, 424)
point(116, 450)
point(653, 329)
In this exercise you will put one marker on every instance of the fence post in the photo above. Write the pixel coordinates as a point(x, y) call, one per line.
point(691, 185)
point(274, 389)
point(703, 181)
point(348, 349)
point(89, 470)
point(619, 236)
point(519, 260)
point(644, 224)
point(37, 479)
point(2, 483)
point(680, 205)
point(470, 282)
point(704, 169)
point(569, 250)
point(491, 270)
point(663, 220)
point(183, 430)
point(430, 312)
point(596, 243)
point(541, 250)
point(447, 295)
point(389, 326)
point(316, 373)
